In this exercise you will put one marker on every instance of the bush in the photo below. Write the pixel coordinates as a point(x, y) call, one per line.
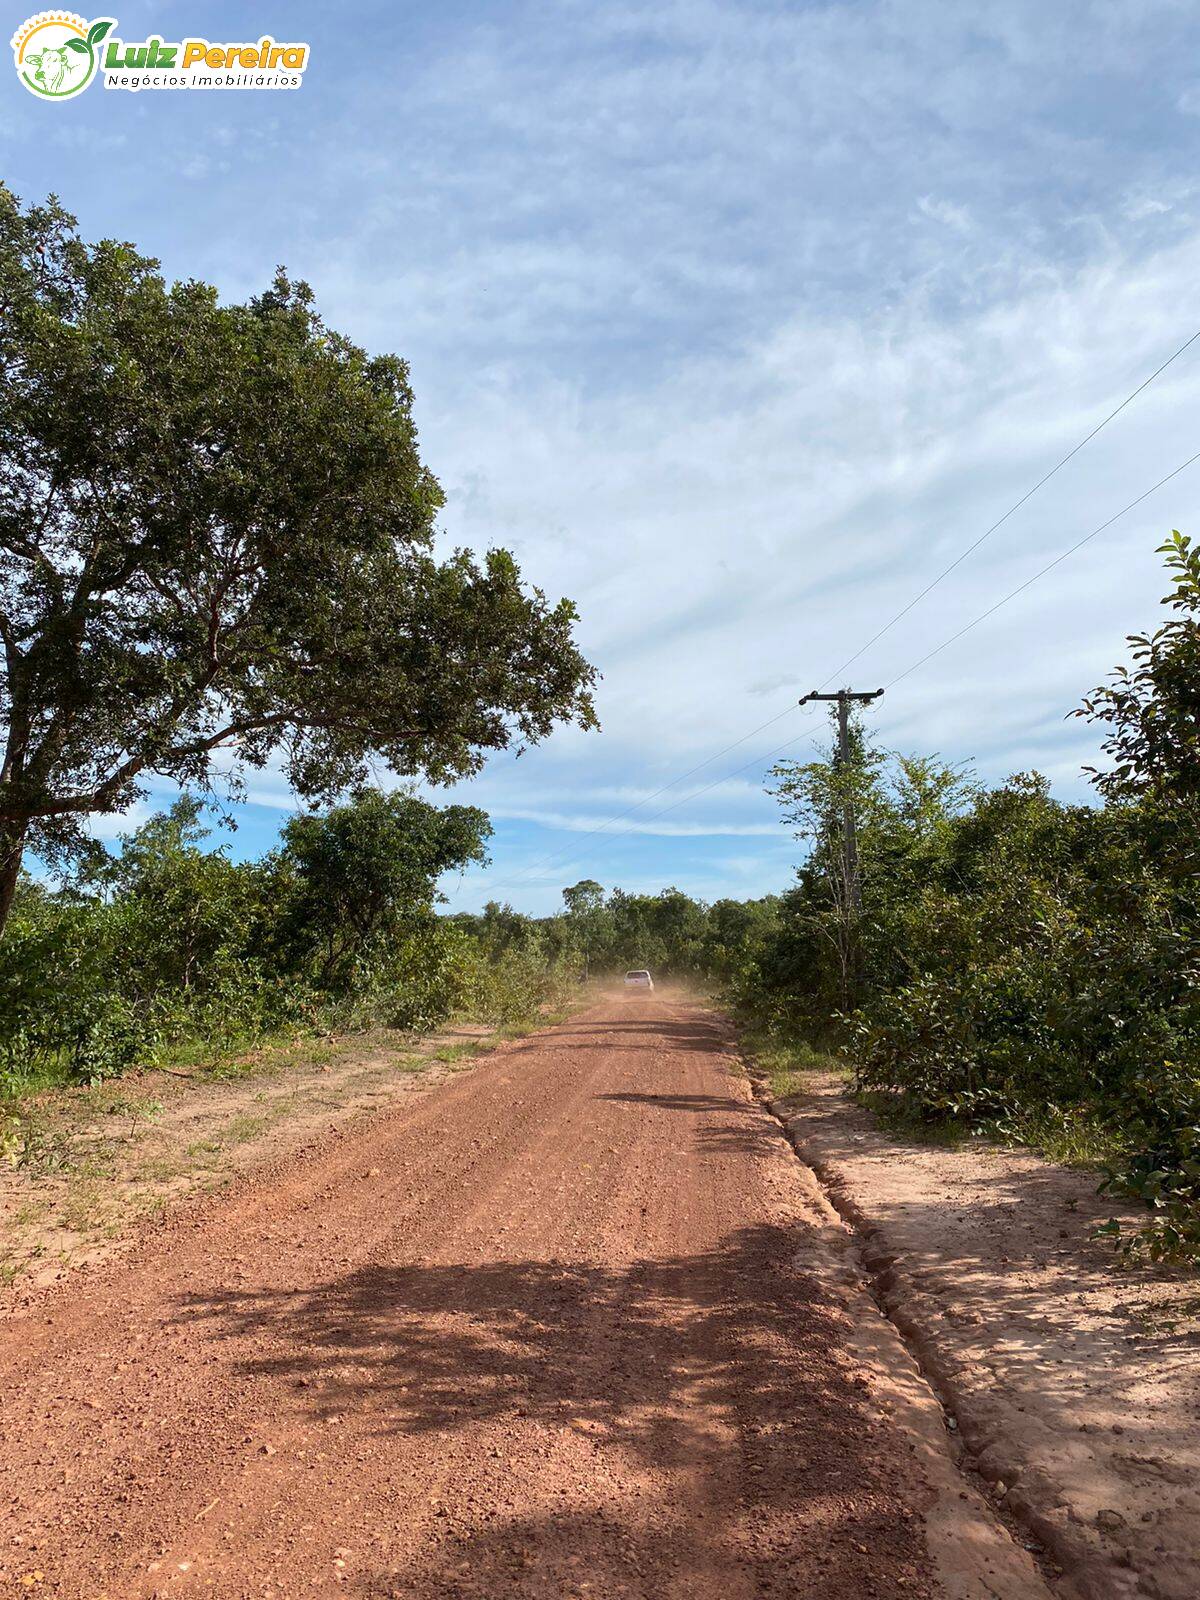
point(60, 1015)
point(515, 988)
point(1016, 962)
point(169, 949)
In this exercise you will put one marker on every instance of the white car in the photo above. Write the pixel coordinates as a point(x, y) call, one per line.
point(639, 980)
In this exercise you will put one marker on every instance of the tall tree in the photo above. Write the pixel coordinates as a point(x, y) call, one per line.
point(817, 797)
point(1152, 709)
point(216, 549)
point(584, 902)
point(362, 872)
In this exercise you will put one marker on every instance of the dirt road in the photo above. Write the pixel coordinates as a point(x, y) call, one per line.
point(552, 1329)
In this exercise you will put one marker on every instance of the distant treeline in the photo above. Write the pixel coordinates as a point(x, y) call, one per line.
point(1018, 966)
point(1011, 964)
point(668, 932)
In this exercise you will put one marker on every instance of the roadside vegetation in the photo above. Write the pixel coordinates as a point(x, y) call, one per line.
point(168, 951)
point(1021, 966)
point(218, 555)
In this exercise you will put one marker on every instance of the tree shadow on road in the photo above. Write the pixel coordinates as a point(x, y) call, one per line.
point(724, 1124)
point(613, 1557)
point(674, 1102)
point(725, 1363)
point(448, 1344)
point(709, 1037)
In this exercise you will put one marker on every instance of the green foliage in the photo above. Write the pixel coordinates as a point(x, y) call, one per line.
point(168, 950)
point(1150, 708)
point(585, 898)
point(1167, 1179)
point(216, 535)
point(518, 986)
point(413, 984)
point(29, 1142)
point(355, 880)
point(186, 912)
point(584, 902)
point(902, 811)
point(786, 1061)
point(665, 932)
point(60, 1014)
point(1019, 965)
point(669, 932)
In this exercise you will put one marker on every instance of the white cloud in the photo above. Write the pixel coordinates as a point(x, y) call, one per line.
point(109, 826)
point(738, 529)
point(945, 211)
point(581, 822)
point(737, 322)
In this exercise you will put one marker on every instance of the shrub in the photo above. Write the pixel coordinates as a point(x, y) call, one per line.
point(60, 1015)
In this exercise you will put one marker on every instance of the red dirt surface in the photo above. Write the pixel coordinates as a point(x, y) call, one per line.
point(545, 1331)
point(1075, 1385)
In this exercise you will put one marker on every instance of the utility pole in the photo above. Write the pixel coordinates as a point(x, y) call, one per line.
point(844, 698)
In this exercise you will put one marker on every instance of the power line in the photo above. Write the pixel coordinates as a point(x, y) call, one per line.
point(982, 617)
point(716, 783)
point(1016, 506)
point(700, 765)
point(601, 829)
point(1041, 573)
point(572, 852)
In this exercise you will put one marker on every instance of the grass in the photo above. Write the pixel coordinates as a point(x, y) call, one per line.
point(86, 1207)
point(896, 1116)
point(464, 1050)
point(198, 1059)
point(52, 1074)
point(252, 1055)
point(246, 1125)
point(206, 1058)
point(32, 1140)
point(157, 1169)
point(203, 1147)
point(787, 1062)
point(1071, 1138)
point(100, 1100)
point(1068, 1138)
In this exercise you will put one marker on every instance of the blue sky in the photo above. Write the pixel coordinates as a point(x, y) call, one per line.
point(735, 322)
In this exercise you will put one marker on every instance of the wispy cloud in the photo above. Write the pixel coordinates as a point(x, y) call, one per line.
point(737, 322)
point(581, 822)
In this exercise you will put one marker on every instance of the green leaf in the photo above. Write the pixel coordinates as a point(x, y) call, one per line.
point(438, 661)
point(97, 31)
point(78, 46)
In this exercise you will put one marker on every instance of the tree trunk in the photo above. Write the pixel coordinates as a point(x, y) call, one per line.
point(12, 849)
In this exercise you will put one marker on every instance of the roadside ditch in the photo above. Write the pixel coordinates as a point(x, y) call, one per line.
point(1068, 1387)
